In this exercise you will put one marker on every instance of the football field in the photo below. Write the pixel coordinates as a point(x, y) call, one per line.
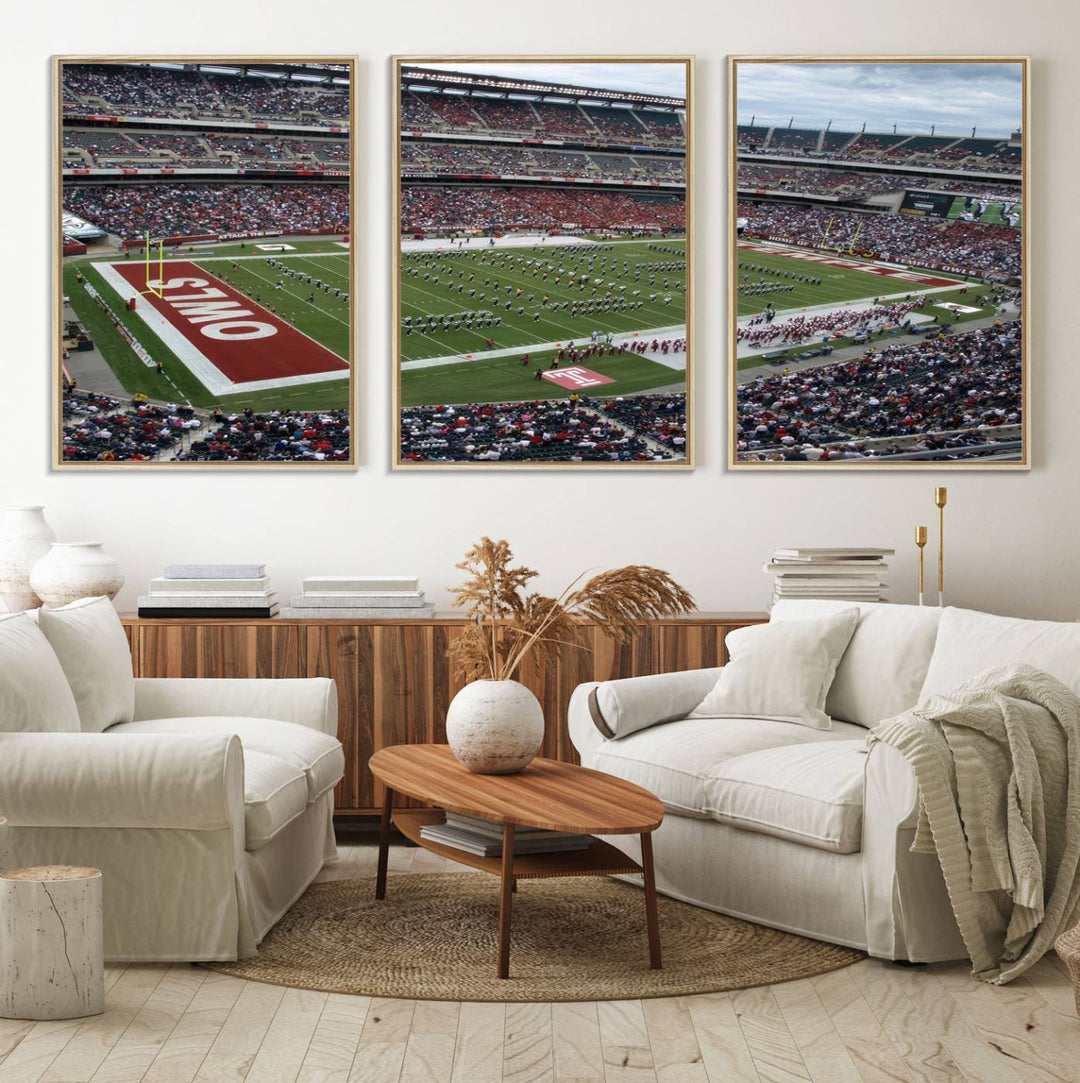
point(470, 315)
point(294, 353)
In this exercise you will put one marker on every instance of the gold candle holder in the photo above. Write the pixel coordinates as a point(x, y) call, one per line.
point(920, 541)
point(941, 495)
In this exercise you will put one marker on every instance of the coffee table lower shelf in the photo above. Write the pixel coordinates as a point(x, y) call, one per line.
point(600, 859)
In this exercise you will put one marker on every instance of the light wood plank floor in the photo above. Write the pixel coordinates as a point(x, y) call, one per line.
point(872, 1021)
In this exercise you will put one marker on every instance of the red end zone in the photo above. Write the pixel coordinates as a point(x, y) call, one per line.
point(239, 337)
point(820, 259)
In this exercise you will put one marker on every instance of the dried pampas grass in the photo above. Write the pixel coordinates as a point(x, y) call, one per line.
point(509, 623)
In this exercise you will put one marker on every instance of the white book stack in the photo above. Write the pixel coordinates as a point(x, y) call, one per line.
point(360, 597)
point(484, 837)
point(849, 575)
point(210, 590)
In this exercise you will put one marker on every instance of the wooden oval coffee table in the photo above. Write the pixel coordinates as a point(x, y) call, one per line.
point(547, 794)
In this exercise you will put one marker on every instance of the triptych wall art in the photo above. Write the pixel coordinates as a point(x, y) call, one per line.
point(543, 263)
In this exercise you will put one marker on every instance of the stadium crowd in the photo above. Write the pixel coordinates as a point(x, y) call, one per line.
point(820, 180)
point(968, 384)
point(588, 123)
point(971, 248)
point(102, 429)
point(104, 149)
point(418, 157)
point(279, 436)
point(541, 431)
point(441, 208)
point(142, 91)
point(129, 210)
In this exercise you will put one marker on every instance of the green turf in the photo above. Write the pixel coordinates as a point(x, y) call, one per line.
point(993, 215)
point(507, 266)
point(837, 283)
point(505, 379)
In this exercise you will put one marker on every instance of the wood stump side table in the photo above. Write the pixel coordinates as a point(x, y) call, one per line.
point(52, 953)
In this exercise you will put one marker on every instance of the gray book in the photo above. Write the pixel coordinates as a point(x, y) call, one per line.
point(194, 601)
point(227, 586)
point(308, 612)
point(381, 583)
point(361, 600)
point(215, 571)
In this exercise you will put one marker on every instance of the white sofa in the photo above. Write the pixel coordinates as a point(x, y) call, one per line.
point(804, 829)
point(207, 804)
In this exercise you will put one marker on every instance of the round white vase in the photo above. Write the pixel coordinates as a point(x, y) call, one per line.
point(25, 537)
point(74, 570)
point(495, 727)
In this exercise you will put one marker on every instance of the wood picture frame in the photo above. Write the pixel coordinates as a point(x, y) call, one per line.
point(501, 161)
point(823, 194)
point(239, 173)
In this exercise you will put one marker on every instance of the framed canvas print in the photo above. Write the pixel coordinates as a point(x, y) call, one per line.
point(542, 262)
point(878, 263)
point(205, 262)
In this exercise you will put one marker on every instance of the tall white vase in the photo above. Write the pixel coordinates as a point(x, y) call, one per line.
point(24, 538)
point(74, 570)
point(495, 727)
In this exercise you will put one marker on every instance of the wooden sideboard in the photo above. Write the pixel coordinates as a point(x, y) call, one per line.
point(393, 679)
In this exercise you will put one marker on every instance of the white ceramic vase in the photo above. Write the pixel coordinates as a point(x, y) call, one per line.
point(495, 727)
point(24, 538)
point(74, 570)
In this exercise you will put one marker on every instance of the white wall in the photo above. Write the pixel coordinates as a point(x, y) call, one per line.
point(1013, 537)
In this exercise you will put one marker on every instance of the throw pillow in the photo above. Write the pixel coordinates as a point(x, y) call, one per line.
point(781, 671)
point(90, 642)
point(34, 694)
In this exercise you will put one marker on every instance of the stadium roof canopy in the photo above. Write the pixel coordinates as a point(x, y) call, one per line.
point(469, 83)
point(301, 73)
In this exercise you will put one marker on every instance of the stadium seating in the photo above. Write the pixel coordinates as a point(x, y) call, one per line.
point(156, 92)
point(961, 247)
point(176, 209)
point(965, 386)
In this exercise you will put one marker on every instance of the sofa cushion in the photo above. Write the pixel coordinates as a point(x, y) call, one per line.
point(781, 671)
point(317, 754)
point(679, 761)
point(808, 793)
point(970, 642)
point(90, 642)
point(886, 661)
point(34, 694)
point(275, 793)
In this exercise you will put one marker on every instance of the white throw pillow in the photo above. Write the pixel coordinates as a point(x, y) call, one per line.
point(34, 694)
point(781, 671)
point(93, 649)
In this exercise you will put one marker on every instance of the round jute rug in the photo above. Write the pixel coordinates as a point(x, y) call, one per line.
point(434, 938)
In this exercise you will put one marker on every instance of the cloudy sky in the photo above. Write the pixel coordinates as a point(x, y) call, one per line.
point(954, 97)
point(656, 78)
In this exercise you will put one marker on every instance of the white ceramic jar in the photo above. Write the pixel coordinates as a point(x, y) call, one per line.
point(74, 570)
point(495, 727)
point(25, 537)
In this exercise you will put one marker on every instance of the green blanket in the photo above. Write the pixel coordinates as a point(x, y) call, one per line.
point(998, 767)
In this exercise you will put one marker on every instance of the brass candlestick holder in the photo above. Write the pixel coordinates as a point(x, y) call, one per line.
point(941, 495)
point(920, 541)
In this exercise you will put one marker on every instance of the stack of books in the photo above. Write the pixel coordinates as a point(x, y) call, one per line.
point(850, 575)
point(210, 590)
point(360, 597)
point(484, 837)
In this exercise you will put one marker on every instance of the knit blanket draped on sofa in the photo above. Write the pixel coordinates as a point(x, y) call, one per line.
point(997, 762)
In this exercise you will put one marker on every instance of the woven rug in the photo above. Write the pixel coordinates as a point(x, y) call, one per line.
point(434, 938)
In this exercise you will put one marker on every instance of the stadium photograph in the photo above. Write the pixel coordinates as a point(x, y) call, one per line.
point(543, 273)
point(205, 267)
point(877, 263)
